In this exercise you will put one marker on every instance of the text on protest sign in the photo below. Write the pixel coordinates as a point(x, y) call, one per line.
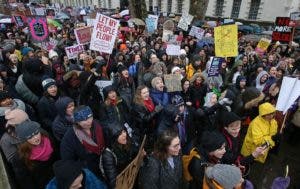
point(38, 28)
point(262, 45)
point(173, 82)
point(173, 49)
point(104, 34)
point(197, 32)
point(83, 35)
point(126, 179)
point(282, 31)
point(73, 51)
point(226, 41)
point(214, 68)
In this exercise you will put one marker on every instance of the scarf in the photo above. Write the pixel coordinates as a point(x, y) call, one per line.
point(113, 102)
point(149, 105)
point(43, 151)
point(95, 143)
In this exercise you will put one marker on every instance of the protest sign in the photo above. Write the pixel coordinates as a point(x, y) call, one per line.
point(39, 11)
point(197, 32)
point(73, 51)
point(295, 16)
point(83, 34)
point(151, 23)
point(173, 49)
point(289, 92)
point(173, 82)
point(104, 34)
point(262, 46)
point(38, 28)
point(90, 21)
point(282, 31)
point(48, 45)
point(155, 18)
point(101, 84)
point(126, 179)
point(214, 67)
point(226, 41)
point(18, 20)
point(167, 35)
point(185, 21)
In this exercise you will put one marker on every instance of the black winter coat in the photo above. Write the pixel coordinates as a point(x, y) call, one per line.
point(47, 112)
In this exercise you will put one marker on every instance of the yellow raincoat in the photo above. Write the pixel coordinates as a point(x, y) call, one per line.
point(259, 132)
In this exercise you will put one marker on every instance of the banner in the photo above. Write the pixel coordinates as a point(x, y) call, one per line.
point(83, 35)
point(226, 41)
point(214, 66)
point(289, 92)
point(73, 51)
point(173, 49)
point(173, 82)
point(262, 46)
point(282, 31)
point(126, 179)
point(38, 28)
point(104, 34)
point(185, 21)
point(197, 32)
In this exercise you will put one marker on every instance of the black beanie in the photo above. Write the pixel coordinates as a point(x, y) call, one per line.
point(229, 117)
point(212, 141)
point(4, 95)
point(108, 89)
point(121, 68)
point(66, 171)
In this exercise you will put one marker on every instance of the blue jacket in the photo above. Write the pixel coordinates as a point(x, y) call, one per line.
point(90, 182)
point(159, 97)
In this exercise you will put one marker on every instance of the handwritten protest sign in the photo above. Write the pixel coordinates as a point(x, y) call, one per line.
point(289, 92)
point(173, 49)
point(126, 179)
point(173, 82)
point(155, 20)
point(18, 20)
point(226, 41)
point(197, 32)
point(39, 11)
point(38, 28)
point(102, 84)
point(104, 34)
point(48, 45)
point(90, 22)
point(83, 34)
point(282, 31)
point(185, 21)
point(73, 51)
point(262, 46)
point(151, 23)
point(214, 66)
point(167, 35)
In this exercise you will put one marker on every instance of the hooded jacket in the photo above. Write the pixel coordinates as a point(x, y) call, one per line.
point(159, 97)
point(61, 122)
point(259, 132)
point(260, 86)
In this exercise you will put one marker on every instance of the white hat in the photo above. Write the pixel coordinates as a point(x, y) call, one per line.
point(52, 54)
point(174, 69)
point(182, 51)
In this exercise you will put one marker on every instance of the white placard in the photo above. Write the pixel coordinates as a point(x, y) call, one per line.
point(197, 32)
point(104, 34)
point(73, 51)
point(40, 11)
point(173, 49)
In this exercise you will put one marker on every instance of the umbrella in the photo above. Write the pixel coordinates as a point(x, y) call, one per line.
point(54, 23)
point(62, 16)
point(253, 37)
point(137, 21)
point(205, 41)
point(238, 23)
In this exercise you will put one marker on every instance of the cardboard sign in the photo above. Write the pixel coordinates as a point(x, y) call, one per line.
point(83, 35)
point(226, 41)
point(197, 32)
point(173, 82)
point(104, 34)
point(289, 92)
point(38, 28)
point(214, 67)
point(126, 179)
point(262, 46)
point(173, 49)
point(185, 21)
point(282, 31)
point(73, 51)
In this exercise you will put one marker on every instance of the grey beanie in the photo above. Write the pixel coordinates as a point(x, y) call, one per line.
point(227, 176)
point(27, 129)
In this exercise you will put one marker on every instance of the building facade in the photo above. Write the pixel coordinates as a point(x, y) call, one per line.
point(258, 10)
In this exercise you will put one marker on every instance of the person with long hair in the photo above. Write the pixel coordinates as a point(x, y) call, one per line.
point(164, 167)
point(33, 163)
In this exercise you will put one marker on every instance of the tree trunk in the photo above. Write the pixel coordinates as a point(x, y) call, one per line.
point(138, 9)
point(198, 8)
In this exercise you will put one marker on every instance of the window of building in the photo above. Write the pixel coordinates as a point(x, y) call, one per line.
point(150, 5)
point(109, 4)
point(219, 7)
point(254, 6)
point(159, 5)
point(236, 8)
point(169, 9)
point(179, 6)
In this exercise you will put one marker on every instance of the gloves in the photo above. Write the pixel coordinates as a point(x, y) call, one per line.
point(158, 108)
point(276, 137)
point(225, 101)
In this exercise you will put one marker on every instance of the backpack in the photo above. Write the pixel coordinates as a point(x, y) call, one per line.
point(186, 159)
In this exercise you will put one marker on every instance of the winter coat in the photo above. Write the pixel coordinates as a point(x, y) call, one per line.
point(260, 86)
point(90, 182)
point(197, 95)
point(259, 132)
point(156, 174)
point(4, 181)
point(26, 94)
point(61, 122)
point(72, 148)
point(159, 97)
point(47, 111)
point(126, 89)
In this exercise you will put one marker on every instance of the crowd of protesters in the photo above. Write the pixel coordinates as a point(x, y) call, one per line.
point(58, 131)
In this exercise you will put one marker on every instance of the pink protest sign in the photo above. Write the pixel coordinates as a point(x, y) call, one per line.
point(38, 28)
point(83, 34)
